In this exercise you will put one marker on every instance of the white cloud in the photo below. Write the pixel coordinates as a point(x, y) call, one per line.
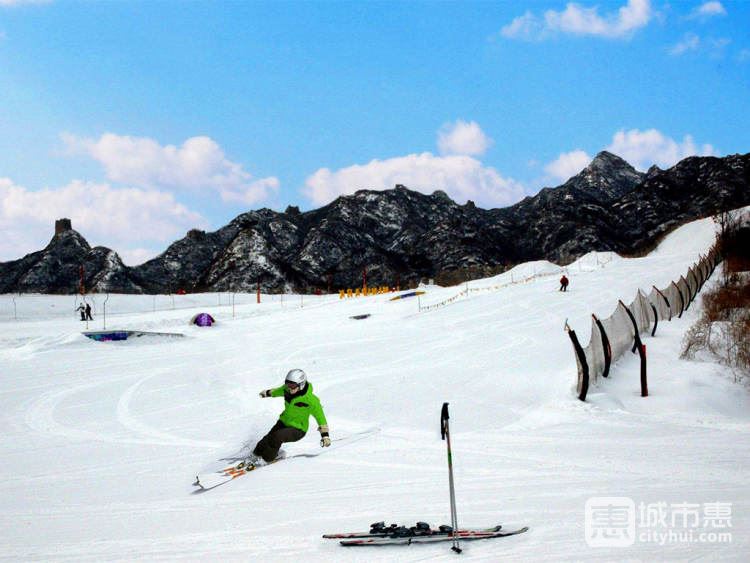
point(527, 26)
point(462, 137)
point(713, 47)
point(708, 10)
point(580, 20)
point(567, 165)
point(136, 256)
point(122, 219)
point(690, 42)
point(640, 148)
point(461, 177)
point(718, 45)
point(199, 164)
point(645, 148)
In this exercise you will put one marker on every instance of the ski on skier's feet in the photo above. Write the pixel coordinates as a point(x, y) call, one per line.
point(213, 479)
point(208, 480)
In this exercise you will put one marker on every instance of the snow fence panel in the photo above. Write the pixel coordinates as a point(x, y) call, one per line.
point(661, 302)
point(701, 272)
point(677, 299)
point(642, 312)
point(692, 280)
point(582, 385)
point(619, 330)
point(594, 353)
point(707, 267)
point(685, 290)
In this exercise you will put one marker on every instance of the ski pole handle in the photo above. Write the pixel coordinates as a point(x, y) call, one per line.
point(444, 420)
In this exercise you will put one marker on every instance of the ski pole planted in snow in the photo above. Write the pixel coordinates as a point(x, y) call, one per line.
point(446, 435)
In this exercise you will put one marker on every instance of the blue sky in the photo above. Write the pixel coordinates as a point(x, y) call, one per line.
point(141, 120)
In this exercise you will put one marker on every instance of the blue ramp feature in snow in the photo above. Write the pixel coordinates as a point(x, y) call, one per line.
point(107, 336)
point(115, 335)
point(409, 294)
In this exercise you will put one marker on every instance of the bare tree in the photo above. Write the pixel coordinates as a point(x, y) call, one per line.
point(728, 222)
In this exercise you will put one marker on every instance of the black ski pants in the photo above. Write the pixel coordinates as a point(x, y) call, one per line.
point(270, 444)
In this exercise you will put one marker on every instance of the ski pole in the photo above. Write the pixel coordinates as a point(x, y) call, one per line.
point(446, 435)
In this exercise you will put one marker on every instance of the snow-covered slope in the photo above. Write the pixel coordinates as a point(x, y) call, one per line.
point(100, 442)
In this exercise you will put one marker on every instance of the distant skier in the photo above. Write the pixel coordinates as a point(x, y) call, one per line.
point(88, 313)
point(564, 281)
point(82, 310)
point(299, 405)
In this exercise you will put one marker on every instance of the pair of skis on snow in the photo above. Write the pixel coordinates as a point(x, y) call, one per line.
point(420, 534)
point(380, 534)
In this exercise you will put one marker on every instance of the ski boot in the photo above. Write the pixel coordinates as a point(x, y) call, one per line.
point(250, 461)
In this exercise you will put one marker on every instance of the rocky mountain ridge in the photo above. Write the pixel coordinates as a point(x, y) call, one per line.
point(402, 236)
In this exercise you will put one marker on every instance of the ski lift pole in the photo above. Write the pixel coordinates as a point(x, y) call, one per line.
point(446, 435)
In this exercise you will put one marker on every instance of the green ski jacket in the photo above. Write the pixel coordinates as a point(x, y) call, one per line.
point(298, 409)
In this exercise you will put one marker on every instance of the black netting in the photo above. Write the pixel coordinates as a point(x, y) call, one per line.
point(614, 336)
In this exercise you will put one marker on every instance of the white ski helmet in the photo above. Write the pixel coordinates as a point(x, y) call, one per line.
point(296, 376)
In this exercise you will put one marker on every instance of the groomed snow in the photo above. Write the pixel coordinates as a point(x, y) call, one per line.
point(100, 442)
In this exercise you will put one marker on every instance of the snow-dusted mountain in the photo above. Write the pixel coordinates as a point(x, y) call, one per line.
point(403, 236)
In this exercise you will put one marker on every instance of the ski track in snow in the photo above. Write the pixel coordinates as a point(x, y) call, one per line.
point(125, 417)
point(101, 441)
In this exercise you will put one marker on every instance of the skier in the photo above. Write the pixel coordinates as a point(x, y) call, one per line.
point(299, 405)
point(564, 281)
point(88, 312)
point(82, 310)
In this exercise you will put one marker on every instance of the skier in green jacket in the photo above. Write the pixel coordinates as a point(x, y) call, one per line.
point(299, 405)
